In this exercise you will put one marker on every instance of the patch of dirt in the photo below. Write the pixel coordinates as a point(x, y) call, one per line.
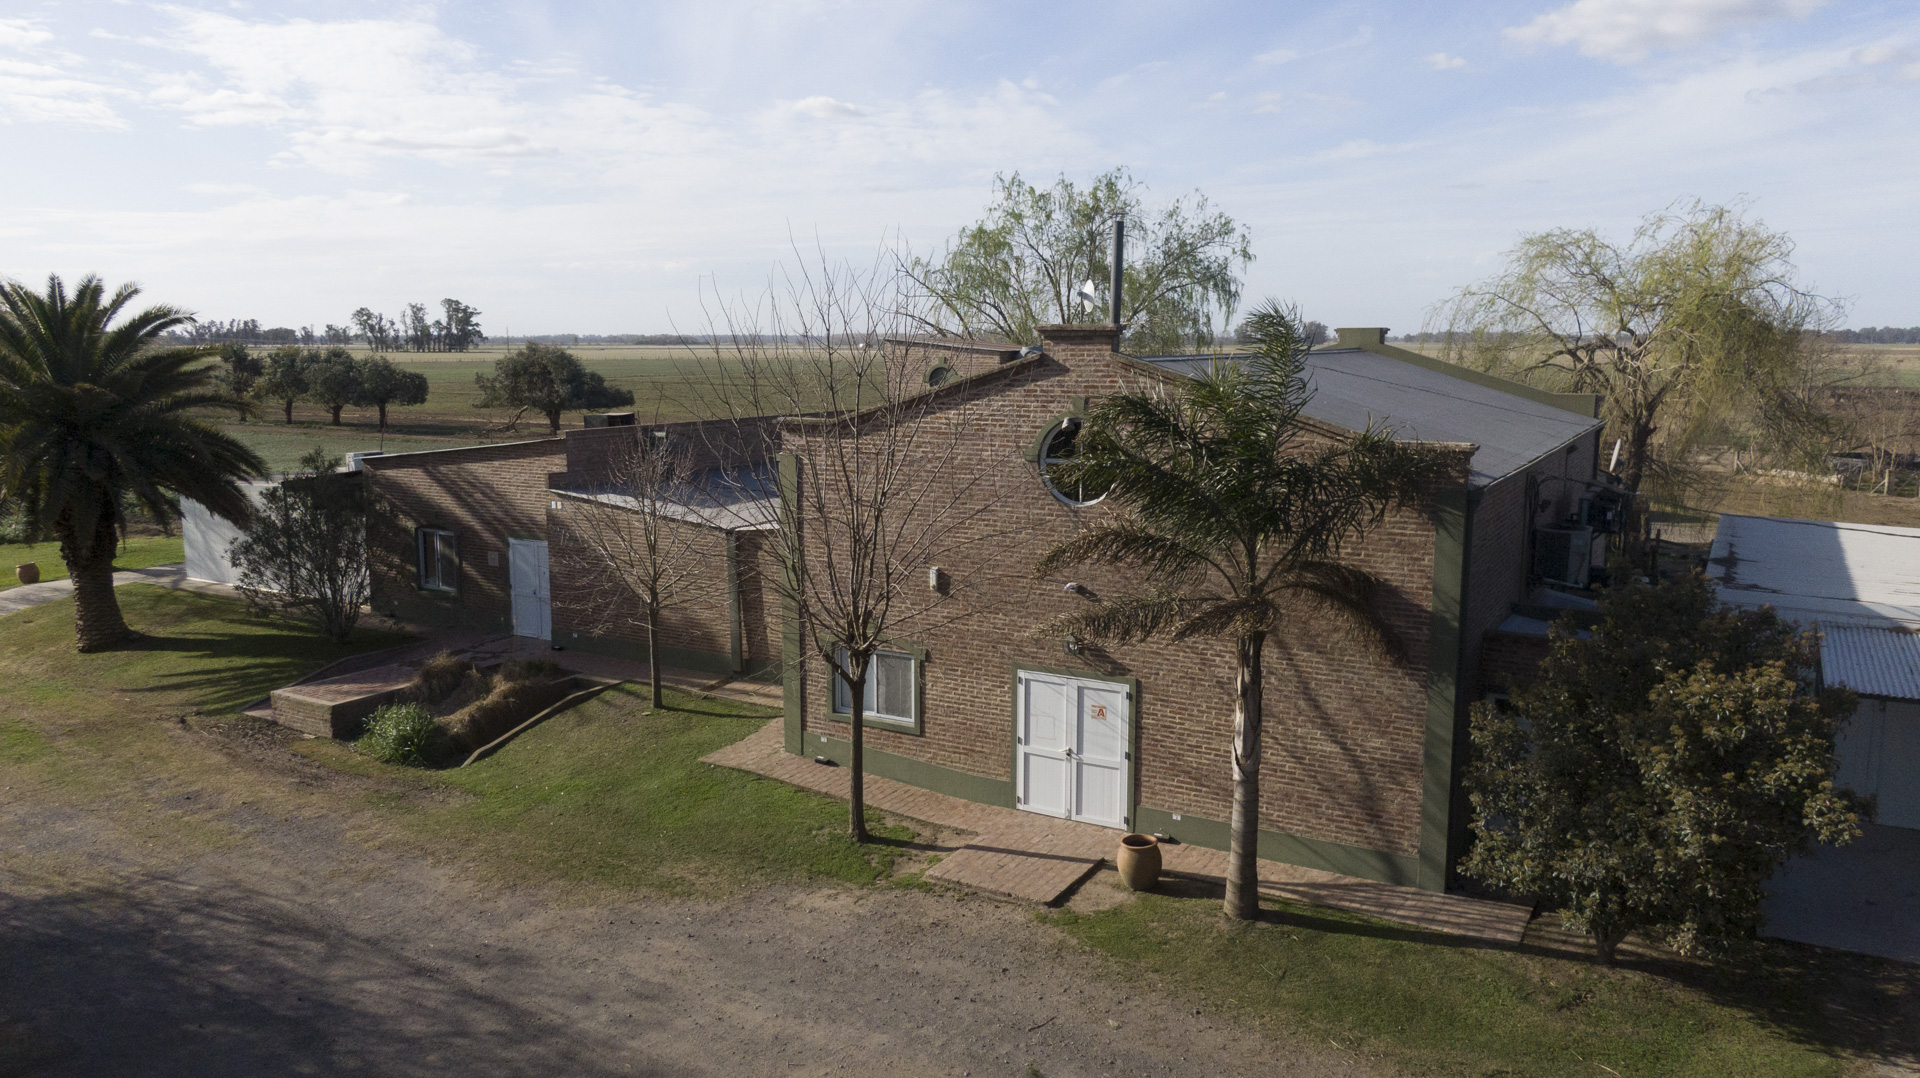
point(309, 944)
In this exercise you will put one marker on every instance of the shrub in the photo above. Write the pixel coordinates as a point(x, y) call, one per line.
point(400, 734)
point(438, 677)
point(511, 702)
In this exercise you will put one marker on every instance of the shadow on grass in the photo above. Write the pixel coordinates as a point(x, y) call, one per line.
point(1832, 1001)
point(222, 670)
point(158, 976)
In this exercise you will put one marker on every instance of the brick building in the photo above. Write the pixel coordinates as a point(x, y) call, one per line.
point(1363, 753)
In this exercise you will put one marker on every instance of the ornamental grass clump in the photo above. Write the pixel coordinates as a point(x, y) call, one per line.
point(400, 734)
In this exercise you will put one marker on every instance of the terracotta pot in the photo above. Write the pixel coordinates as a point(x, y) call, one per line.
point(28, 573)
point(1139, 861)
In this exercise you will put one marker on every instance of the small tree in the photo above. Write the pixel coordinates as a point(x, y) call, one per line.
point(1237, 516)
point(305, 552)
point(1698, 316)
point(548, 380)
point(1658, 771)
point(333, 381)
point(632, 538)
point(1020, 265)
point(240, 369)
point(383, 384)
point(284, 380)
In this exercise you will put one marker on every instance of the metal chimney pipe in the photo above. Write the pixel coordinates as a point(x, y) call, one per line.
point(1119, 264)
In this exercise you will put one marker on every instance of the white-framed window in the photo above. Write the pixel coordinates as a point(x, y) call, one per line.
point(891, 689)
point(439, 554)
point(1061, 446)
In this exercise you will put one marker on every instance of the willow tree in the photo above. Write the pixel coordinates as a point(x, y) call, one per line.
point(1238, 515)
point(1697, 318)
point(96, 414)
point(1019, 267)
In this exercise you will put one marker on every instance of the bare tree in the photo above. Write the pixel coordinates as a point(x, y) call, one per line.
point(884, 485)
point(644, 532)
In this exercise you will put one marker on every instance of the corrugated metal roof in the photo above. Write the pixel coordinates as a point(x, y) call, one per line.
point(1874, 660)
point(1353, 387)
point(1819, 570)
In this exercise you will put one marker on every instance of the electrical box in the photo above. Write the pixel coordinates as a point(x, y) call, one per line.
point(1563, 555)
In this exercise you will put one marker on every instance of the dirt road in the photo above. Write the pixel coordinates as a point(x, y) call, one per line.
point(296, 949)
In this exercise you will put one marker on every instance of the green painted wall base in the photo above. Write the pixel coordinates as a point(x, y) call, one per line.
point(1289, 848)
point(887, 765)
point(717, 663)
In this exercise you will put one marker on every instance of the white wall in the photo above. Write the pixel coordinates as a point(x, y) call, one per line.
point(1879, 751)
point(208, 537)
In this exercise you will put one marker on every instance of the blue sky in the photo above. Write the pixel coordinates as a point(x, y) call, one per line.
point(585, 167)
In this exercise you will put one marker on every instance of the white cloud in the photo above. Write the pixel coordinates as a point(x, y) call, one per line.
point(1440, 61)
point(48, 86)
point(1627, 30)
point(1278, 56)
point(1906, 61)
point(824, 108)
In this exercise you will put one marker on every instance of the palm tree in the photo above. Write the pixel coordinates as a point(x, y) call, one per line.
point(94, 414)
point(1235, 509)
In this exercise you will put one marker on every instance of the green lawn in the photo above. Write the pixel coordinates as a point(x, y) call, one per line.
point(143, 552)
point(1433, 1004)
point(604, 794)
point(611, 794)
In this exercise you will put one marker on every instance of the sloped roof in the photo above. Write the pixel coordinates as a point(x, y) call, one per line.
point(1872, 661)
point(745, 498)
point(1353, 387)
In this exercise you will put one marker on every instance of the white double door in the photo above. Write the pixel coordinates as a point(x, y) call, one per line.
point(1072, 741)
point(532, 603)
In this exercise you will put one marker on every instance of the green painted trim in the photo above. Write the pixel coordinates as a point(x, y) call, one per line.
point(1394, 868)
point(1132, 685)
point(918, 727)
point(793, 702)
point(736, 648)
point(1581, 404)
point(1076, 407)
point(942, 780)
point(1443, 680)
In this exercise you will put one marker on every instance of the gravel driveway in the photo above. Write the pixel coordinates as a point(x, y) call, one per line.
point(297, 949)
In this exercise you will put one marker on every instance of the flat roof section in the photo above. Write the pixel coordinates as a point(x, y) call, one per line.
point(1819, 570)
point(1353, 387)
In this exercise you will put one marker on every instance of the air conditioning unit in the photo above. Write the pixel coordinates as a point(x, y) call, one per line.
point(1563, 555)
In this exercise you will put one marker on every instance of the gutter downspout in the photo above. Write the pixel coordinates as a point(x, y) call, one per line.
point(735, 646)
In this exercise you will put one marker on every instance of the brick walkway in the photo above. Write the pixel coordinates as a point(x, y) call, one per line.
point(1038, 858)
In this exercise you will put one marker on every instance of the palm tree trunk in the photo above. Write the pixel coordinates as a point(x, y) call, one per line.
point(1243, 845)
point(97, 624)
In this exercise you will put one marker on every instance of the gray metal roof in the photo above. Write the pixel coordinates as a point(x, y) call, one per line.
point(1353, 388)
point(1872, 660)
point(1819, 570)
point(746, 498)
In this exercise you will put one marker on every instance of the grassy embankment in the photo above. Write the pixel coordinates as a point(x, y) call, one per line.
point(612, 797)
point(140, 552)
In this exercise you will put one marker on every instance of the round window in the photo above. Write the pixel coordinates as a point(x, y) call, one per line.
point(940, 375)
point(1057, 453)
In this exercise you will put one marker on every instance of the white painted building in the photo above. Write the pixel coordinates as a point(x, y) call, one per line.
point(1859, 584)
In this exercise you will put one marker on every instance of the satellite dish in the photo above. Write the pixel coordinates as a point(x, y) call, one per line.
point(1089, 298)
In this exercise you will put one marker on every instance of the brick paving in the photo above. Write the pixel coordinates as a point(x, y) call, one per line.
point(1037, 858)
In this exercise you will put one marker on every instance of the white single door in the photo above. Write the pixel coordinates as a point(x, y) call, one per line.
point(1071, 743)
point(532, 607)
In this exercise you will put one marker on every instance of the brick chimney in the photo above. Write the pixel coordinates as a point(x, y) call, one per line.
point(1066, 343)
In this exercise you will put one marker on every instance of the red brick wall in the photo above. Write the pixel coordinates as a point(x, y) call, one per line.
point(485, 495)
point(1345, 729)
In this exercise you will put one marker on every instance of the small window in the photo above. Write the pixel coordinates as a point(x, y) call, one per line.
point(1061, 446)
point(439, 554)
point(940, 375)
point(890, 691)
